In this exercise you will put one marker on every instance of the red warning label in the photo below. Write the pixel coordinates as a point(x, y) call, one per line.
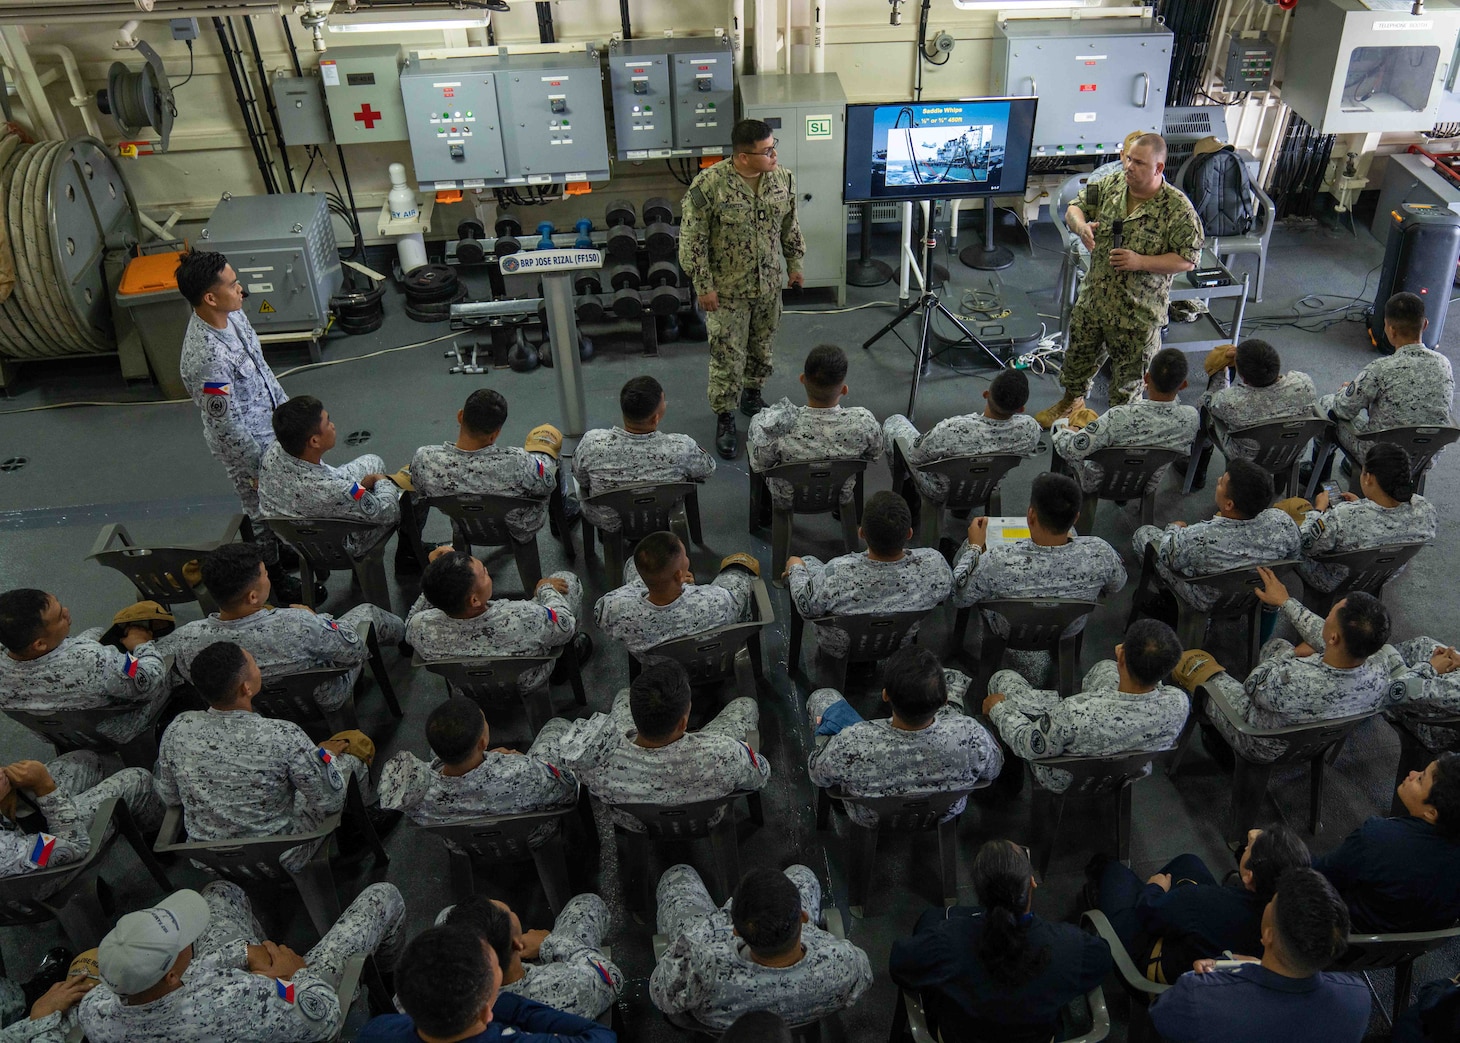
point(1087, 87)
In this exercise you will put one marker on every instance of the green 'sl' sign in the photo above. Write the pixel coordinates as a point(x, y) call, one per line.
point(818, 127)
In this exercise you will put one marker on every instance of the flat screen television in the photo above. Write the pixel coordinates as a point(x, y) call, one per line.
point(938, 149)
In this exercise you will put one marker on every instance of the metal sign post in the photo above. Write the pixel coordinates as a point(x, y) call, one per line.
point(556, 268)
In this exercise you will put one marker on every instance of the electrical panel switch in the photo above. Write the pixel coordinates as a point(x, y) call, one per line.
point(1249, 63)
point(672, 97)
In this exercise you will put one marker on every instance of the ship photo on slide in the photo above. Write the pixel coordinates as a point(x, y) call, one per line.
point(933, 155)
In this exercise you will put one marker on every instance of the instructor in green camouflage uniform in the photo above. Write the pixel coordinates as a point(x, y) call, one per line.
point(1122, 303)
point(739, 218)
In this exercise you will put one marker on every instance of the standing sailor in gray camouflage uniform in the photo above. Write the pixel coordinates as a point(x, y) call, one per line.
point(1122, 303)
point(476, 464)
point(564, 968)
point(1158, 420)
point(823, 429)
point(456, 617)
point(660, 600)
point(224, 370)
point(237, 774)
point(1330, 674)
point(282, 641)
point(1122, 706)
point(642, 751)
point(1263, 393)
point(68, 792)
point(1390, 512)
point(294, 482)
point(1411, 388)
point(739, 220)
point(638, 452)
point(194, 967)
point(888, 578)
point(1049, 564)
point(754, 953)
point(929, 744)
point(1002, 427)
point(45, 669)
point(466, 779)
point(1245, 531)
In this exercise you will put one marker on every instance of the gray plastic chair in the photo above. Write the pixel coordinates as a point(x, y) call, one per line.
point(1125, 473)
point(290, 697)
point(69, 893)
point(910, 1019)
point(1369, 570)
point(1254, 242)
point(1281, 446)
point(501, 839)
point(817, 490)
point(480, 520)
point(681, 822)
point(973, 485)
point(733, 650)
point(1035, 624)
point(320, 544)
point(921, 812)
point(1368, 952)
point(1311, 742)
point(1421, 443)
point(642, 509)
point(1139, 989)
point(872, 636)
point(69, 730)
point(491, 680)
point(157, 572)
point(255, 860)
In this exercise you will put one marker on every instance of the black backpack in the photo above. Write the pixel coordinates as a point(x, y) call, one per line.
point(1219, 189)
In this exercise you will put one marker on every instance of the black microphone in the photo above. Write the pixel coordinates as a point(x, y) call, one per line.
point(1117, 233)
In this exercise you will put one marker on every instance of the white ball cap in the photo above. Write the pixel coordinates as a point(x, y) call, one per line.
point(143, 946)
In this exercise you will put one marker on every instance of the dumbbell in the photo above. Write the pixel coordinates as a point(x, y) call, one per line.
point(508, 228)
point(583, 227)
point(659, 228)
point(545, 229)
point(622, 243)
point(589, 303)
point(625, 280)
point(469, 250)
point(664, 277)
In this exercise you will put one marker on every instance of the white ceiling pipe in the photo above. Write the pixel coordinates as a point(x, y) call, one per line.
point(49, 14)
point(80, 98)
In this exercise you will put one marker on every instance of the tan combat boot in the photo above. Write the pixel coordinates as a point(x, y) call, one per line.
point(1067, 404)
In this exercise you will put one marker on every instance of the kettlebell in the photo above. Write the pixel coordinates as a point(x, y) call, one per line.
point(520, 357)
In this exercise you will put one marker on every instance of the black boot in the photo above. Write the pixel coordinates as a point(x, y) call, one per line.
point(286, 589)
point(727, 439)
point(750, 401)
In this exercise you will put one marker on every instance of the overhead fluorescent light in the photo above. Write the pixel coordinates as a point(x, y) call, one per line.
point(406, 20)
point(1013, 6)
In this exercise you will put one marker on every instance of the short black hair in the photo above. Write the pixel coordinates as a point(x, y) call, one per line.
point(825, 370)
point(1364, 622)
point(448, 581)
point(1056, 500)
point(22, 614)
point(1390, 466)
point(1277, 849)
point(885, 523)
point(297, 421)
point(485, 411)
point(747, 133)
point(217, 671)
point(659, 697)
point(230, 570)
point(1249, 486)
point(1445, 794)
point(1009, 391)
point(758, 1026)
point(1168, 370)
point(1152, 650)
point(443, 979)
point(454, 728)
point(1311, 921)
point(639, 397)
point(915, 685)
point(198, 271)
point(1406, 313)
point(767, 911)
point(479, 913)
point(655, 553)
point(1258, 363)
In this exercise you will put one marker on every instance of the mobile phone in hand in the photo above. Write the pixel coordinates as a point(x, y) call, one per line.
point(1333, 491)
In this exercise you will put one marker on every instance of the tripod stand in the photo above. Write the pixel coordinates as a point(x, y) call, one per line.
point(929, 302)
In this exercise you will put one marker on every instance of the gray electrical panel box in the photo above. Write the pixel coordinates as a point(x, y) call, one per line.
point(283, 249)
point(1249, 62)
point(300, 104)
point(1369, 70)
point(1096, 81)
point(362, 90)
point(807, 113)
point(510, 120)
point(672, 97)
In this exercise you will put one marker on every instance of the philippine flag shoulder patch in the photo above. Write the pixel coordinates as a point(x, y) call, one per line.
point(357, 491)
point(41, 852)
point(325, 756)
point(216, 387)
point(130, 665)
point(284, 990)
point(603, 972)
point(552, 615)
